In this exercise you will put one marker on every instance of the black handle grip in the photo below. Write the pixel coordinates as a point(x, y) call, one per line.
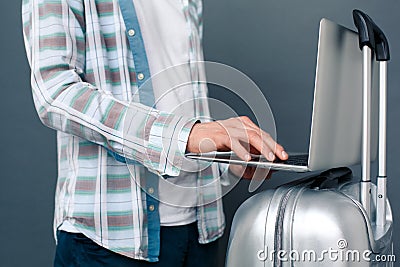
point(369, 34)
point(365, 29)
point(332, 177)
point(381, 45)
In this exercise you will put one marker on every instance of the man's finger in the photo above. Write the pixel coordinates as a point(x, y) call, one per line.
point(273, 145)
point(255, 140)
point(240, 150)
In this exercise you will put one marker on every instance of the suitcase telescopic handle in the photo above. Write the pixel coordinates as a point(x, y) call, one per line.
point(369, 34)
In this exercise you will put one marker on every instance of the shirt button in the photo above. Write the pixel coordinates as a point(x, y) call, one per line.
point(151, 208)
point(131, 32)
point(140, 76)
point(151, 190)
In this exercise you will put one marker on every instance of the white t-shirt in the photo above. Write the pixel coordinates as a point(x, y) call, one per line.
point(165, 32)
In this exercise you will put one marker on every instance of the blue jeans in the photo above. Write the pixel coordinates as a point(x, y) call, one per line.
point(178, 248)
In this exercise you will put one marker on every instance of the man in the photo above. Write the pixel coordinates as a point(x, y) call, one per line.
point(91, 62)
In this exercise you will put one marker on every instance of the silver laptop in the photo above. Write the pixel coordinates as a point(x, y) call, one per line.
point(336, 128)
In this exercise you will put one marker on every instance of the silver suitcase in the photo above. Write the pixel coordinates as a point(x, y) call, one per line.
point(327, 219)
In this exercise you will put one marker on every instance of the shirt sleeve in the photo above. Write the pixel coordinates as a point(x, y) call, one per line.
point(54, 35)
point(198, 9)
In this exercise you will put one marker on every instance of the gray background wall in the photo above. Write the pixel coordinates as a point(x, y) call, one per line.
point(274, 42)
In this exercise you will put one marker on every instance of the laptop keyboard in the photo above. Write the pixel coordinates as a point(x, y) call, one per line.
point(298, 160)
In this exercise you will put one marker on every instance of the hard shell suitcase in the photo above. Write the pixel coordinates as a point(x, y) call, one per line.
point(317, 221)
point(326, 219)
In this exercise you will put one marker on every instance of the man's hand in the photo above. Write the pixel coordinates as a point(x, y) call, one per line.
point(239, 135)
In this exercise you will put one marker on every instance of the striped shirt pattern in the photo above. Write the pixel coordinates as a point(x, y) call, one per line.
point(84, 86)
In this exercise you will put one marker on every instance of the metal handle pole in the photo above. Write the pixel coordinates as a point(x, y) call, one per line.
point(381, 180)
point(366, 138)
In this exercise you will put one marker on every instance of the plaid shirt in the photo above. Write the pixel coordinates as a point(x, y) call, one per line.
point(85, 86)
